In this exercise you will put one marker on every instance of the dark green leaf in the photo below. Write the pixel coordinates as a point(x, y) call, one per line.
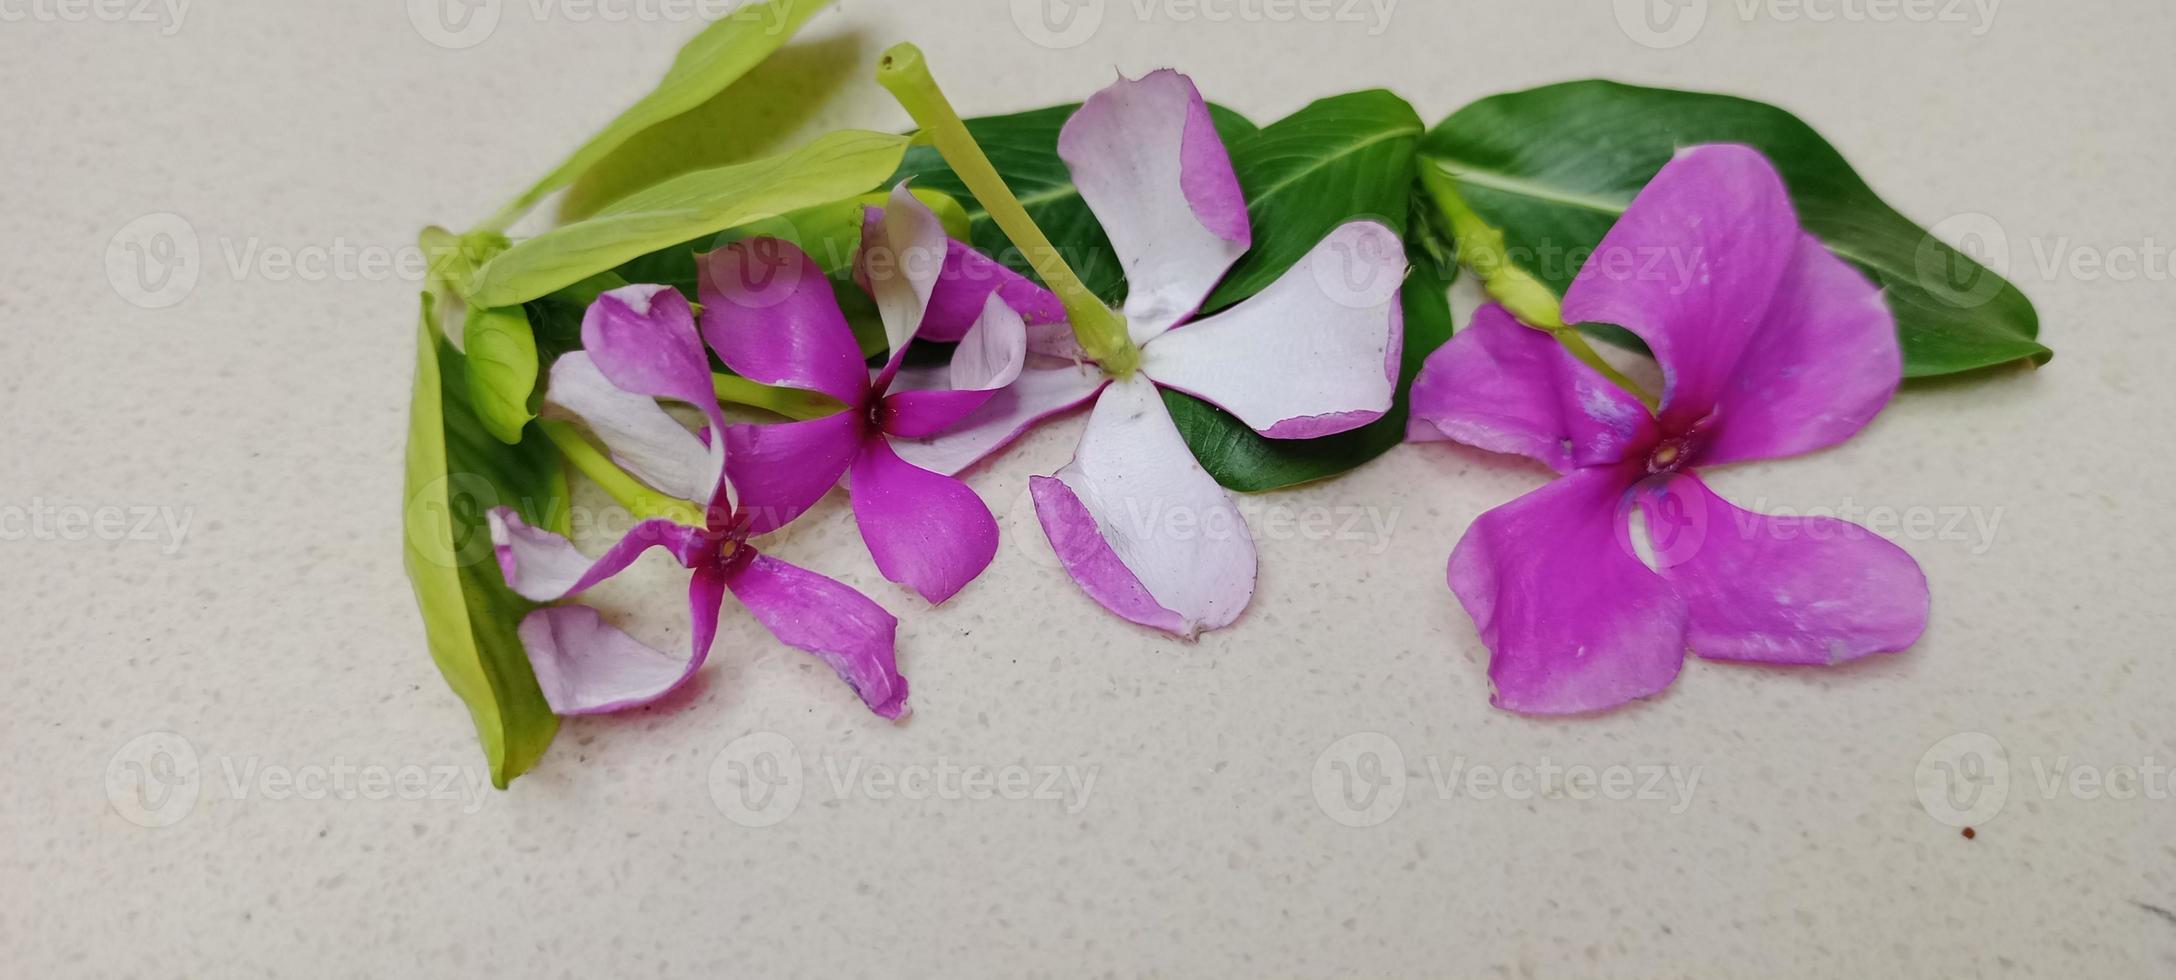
point(1341, 158)
point(1553, 167)
point(456, 472)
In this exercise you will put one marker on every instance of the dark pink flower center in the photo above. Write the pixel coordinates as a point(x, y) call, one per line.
point(1679, 450)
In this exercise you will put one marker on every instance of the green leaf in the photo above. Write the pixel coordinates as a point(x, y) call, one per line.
point(1344, 157)
point(1553, 167)
point(722, 53)
point(685, 208)
point(1244, 460)
point(457, 472)
point(1024, 149)
point(501, 369)
point(762, 113)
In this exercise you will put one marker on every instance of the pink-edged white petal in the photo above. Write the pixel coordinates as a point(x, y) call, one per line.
point(903, 264)
point(781, 470)
point(542, 566)
point(967, 281)
point(769, 312)
point(1149, 163)
point(1781, 590)
point(1314, 353)
point(1046, 387)
point(1692, 268)
point(842, 627)
point(1141, 526)
point(1505, 387)
point(1823, 364)
point(645, 441)
point(587, 666)
point(928, 532)
point(1573, 620)
point(990, 355)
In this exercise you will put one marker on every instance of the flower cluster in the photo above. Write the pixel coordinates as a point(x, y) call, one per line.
point(1770, 346)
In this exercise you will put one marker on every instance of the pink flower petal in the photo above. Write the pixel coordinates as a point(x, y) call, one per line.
point(1692, 268)
point(1141, 526)
point(922, 413)
point(1508, 388)
point(1573, 620)
point(544, 567)
point(1823, 364)
point(780, 471)
point(968, 279)
point(586, 666)
point(643, 338)
point(639, 436)
point(769, 312)
point(990, 357)
point(1046, 387)
point(1150, 165)
point(842, 627)
point(1313, 354)
point(928, 532)
point(1781, 590)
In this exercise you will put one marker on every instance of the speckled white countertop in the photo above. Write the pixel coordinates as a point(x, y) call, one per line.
point(207, 628)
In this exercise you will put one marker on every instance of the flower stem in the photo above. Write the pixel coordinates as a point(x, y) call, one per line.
point(1101, 331)
point(792, 403)
point(641, 501)
point(1481, 248)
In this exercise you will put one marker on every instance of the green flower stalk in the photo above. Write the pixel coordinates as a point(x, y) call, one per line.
point(1100, 329)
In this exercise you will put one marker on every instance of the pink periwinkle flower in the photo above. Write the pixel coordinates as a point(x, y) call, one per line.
point(1135, 519)
point(770, 313)
point(640, 345)
point(1770, 347)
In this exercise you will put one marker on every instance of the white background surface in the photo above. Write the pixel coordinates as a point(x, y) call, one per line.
point(278, 636)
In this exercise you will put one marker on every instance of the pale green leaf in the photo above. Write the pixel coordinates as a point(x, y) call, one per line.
point(685, 208)
point(456, 473)
point(718, 56)
point(502, 368)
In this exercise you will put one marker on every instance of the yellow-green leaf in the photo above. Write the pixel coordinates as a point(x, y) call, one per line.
point(685, 208)
point(718, 56)
point(456, 473)
point(501, 368)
